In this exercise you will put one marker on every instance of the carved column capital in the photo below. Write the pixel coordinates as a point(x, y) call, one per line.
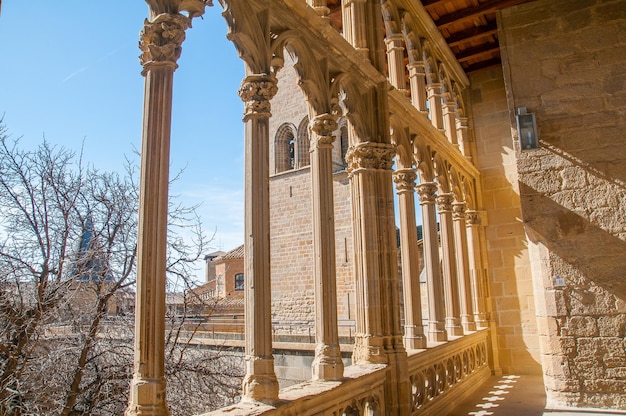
point(458, 211)
point(427, 192)
point(444, 202)
point(433, 88)
point(161, 39)
point(323, 126)
point(370, 156)
point(473, 218)
point(462, 123)
point(405, 180)
point(395, 41)
point(417, 68)
point(256, 92)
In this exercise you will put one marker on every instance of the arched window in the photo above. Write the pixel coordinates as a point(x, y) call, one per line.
point(302, 146)
point(343, 141)
point(284, 148)
point(239, 281)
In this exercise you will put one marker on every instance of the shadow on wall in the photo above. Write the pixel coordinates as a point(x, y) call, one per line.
point(593, 253)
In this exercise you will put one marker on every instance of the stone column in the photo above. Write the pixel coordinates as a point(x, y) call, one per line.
point(434, 284)
point(417, 80)
point(462, 261)
point(374, 244)
point(462, 132)
point(413, 330)
point(327, 364)
point(395, 61)
point(449, 121)
point(433, 91)
point(450, 285)
point(478, 284)
point(161, 40)
point(354, 25)
point(260, 383)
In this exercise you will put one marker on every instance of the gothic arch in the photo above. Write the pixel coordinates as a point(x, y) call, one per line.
point(456, 185)
point(284, 148)
point(303, 141)
point(344, 141)
point(412, 40)
point(442, 171)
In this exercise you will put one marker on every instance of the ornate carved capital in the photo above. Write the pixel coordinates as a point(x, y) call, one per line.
point(256, 92)
point(473, 218)
point(161, 39)
point(427, 192)
point(444, 202)
point(458, 211)
point(370, 156)
point(405, 180)
point(323, 125)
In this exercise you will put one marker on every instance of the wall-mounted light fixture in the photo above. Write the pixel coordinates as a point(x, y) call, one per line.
point(527, 129)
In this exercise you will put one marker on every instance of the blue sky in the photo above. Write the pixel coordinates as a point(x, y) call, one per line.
point(70, 71)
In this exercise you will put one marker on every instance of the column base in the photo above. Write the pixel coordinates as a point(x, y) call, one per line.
point(453, 327)
point(368, 349)
point(260, 383)
point(437, 332)
point(468, 324)
point(482, 321)
point(327, 364)
point(415, 342)
point(414, 338)
point(147, 398)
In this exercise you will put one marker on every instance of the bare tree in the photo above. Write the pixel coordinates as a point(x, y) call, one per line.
point(67, 273)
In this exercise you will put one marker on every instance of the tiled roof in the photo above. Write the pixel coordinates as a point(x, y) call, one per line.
point(236, 253)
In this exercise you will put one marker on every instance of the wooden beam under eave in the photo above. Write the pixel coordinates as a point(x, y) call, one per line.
point(429, 3)
point(474, 33)
point(491, 63)
point(477, 52)
point(487, 7)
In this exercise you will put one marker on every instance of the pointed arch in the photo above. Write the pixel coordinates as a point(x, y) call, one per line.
point(284, 148)
point(303, 142)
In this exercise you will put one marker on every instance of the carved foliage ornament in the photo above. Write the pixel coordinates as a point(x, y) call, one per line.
point(370, 156)
point(161, 39)
point(472, 218)
point(323, 125)
point(256, 92)
point(427, 192)
point(444, 202)
point(458, 211)
point(405, 180)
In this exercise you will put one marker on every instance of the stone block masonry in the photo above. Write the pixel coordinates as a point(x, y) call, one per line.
point(565, 61)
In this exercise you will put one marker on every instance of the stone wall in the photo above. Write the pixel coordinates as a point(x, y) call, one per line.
point(508, 262)
point(565, 61)
point(291, 229)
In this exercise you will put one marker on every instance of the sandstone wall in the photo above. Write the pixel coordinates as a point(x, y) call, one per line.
point(566, 62)
point(291, 229)
point(508, 262)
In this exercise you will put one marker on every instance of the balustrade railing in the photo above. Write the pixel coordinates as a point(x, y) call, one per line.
point(447, 371)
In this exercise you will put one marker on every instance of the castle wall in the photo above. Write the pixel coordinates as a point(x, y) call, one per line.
point(508, 271)
point(565, 62)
